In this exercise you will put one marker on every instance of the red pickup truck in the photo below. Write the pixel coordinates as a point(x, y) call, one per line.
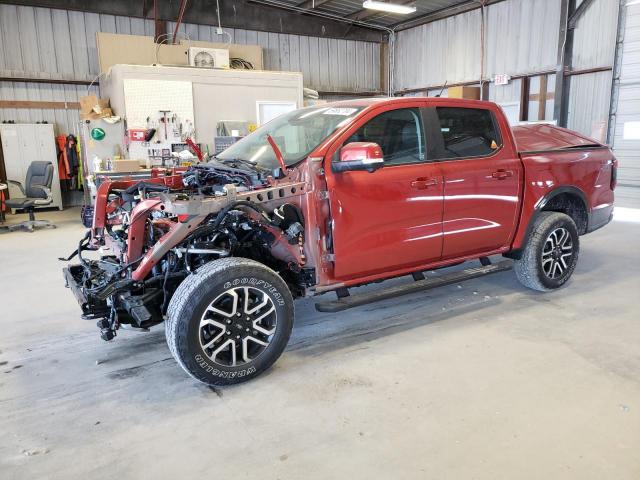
point(330, 197)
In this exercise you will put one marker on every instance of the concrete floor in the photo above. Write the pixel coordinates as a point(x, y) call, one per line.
point(482, 380)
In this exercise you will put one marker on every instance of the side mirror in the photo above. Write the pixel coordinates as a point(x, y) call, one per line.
point(359, 156)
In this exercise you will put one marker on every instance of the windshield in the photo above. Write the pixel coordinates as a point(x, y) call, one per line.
point(295, 133)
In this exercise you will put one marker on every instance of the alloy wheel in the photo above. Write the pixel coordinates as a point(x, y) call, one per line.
point(237, 326)
point(557, 253)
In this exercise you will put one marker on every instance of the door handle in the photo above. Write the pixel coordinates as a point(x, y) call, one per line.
point(502, 174)
point(422, 183)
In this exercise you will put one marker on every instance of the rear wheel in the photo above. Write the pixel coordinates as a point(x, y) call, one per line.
point(551, 253)
point(229, 321)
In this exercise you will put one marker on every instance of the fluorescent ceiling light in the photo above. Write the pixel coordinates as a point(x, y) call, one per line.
point(388, 7)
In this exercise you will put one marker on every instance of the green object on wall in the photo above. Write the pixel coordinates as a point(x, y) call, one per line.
point(97, 133)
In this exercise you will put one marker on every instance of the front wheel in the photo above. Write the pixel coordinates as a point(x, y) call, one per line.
point(551, 253)
point(229, 321)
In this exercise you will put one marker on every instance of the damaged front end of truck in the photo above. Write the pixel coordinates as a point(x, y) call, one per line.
point(148, 236)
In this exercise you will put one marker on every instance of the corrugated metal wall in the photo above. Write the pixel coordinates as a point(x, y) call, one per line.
point(589, 96)
point(60, 44)
point(521, 37)
point(626, 129)
point(447, 50)
point(594, 39)
point(594, 43)
point(327, 64)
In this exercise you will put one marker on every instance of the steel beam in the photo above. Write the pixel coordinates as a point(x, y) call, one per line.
point(578, 12)
point(617, 72)
point(565, 52)
point(244, 14)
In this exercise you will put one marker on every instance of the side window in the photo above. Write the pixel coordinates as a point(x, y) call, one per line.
point(467, 132)
point(398, 132)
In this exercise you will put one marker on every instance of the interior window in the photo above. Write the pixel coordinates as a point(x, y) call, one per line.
point(467, 132)
point(399, 134)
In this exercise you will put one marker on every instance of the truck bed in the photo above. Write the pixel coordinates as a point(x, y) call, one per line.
point(544, 137)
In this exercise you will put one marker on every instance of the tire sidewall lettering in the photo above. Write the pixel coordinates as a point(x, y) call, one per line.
point(266, 287)
point(207, 367)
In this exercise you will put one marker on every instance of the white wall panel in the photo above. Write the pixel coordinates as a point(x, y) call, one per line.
point(520, 35)
point(447, 50)
point(594, 38)
point(589, 104)
point(626, 107)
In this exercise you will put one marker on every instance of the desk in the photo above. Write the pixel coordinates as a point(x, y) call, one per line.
point(3, 187)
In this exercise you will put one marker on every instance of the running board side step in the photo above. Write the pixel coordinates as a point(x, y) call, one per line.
point(357, 300)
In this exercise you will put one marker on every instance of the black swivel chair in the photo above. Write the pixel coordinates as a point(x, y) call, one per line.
point(36, 194)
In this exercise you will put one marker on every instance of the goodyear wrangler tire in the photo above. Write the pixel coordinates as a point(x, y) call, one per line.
point(229, 321)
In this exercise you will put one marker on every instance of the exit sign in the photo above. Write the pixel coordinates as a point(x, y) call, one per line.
point(501, 79)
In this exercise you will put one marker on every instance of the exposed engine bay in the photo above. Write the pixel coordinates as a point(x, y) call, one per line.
point(150, 235)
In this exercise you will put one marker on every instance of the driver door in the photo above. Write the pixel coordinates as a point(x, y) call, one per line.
point(389, 219)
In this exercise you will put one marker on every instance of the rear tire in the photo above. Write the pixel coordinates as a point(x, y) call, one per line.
point(229, 321)
point(550, 254)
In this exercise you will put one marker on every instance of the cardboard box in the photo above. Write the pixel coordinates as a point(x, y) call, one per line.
point(126, 166)
point(468, 93)
point(92, 108)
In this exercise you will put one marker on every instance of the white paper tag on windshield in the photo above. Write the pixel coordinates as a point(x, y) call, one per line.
point(345, 112)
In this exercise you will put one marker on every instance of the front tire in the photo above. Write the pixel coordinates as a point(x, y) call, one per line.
point(229, 321)
point(551, 253)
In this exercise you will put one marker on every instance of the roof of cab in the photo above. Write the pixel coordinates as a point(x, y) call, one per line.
point(367, 102)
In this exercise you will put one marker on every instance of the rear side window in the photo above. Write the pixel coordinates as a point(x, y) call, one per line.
point(398, 132)
point(466, 132)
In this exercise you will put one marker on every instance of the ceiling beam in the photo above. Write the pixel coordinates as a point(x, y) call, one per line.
point(311, 4)
point(243, 14)
point(441, 14)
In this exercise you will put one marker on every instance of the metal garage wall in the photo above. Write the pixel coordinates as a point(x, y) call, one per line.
point(589, 104)
point(594, 39)
point(440, 51)
point(626, 108)
point(508, 96)
point(326, 64)
point(59, 44)
point(64, 120)
point(593, 47)
point(521, 37)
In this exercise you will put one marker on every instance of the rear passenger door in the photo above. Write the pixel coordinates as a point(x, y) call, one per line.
point(481, 175)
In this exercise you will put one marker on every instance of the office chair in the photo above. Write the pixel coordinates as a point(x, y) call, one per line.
point(36, 194)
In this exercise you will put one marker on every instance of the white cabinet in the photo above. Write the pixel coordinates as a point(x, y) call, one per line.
point(23, 143)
